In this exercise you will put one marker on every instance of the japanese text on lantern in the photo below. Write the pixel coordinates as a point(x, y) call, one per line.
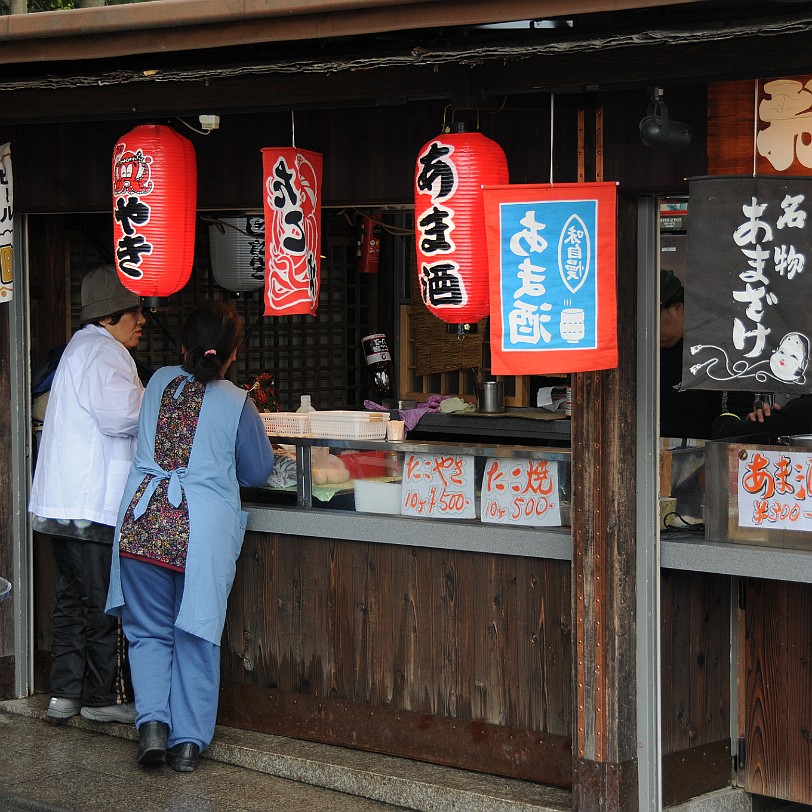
point(775, 490)
point(751, 237)
point(131, 183)
point(520, 492)
point(441, 283)
point(438, 485)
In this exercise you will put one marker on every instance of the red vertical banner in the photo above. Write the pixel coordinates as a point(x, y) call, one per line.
point(154, 209)
point(552, 262)
point(292, 204)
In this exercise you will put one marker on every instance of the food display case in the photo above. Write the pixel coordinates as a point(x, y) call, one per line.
point(467, 495)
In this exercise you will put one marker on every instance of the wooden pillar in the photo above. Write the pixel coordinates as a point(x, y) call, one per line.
point(603, 560)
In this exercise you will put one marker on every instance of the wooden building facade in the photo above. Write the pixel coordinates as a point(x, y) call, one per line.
point(531, 666)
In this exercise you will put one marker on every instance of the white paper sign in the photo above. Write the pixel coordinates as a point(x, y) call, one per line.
point(6, 225)
point(775, 490)
point(438, 485)
point(521, 492)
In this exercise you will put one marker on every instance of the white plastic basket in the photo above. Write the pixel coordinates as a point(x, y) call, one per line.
point(340, 424)
point(286, 424)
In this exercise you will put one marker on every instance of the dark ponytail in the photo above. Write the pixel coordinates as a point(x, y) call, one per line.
point(211, 333)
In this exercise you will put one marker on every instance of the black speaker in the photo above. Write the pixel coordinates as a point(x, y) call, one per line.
point(657, 132)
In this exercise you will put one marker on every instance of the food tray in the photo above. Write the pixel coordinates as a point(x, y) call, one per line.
point(286, 424)
point(339, 424)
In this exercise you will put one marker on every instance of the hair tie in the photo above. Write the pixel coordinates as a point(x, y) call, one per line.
point(210, 352)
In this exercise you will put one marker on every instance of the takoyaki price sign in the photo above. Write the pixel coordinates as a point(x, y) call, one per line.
point(748, 284)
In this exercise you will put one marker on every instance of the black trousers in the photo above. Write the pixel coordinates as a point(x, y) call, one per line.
point(85, 649)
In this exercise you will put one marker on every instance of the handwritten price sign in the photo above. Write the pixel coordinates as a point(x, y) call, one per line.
point(775, 490)
point(521, 492)
point(438, 485)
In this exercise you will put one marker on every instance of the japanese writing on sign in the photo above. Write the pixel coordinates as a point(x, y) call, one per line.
point(441, 283)
point(747, 283)
point(775, 490)
point(6, 225)
point(520, 492)
point(255, 228)
point(132, 182)
point(292, 206)
point(551, 251)
point(549, 295)
point(439, 486)
point(786, 108)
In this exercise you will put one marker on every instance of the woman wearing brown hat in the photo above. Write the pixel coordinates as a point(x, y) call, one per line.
point(88, 443)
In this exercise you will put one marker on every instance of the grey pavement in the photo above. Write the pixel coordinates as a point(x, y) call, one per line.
point(51, 768)
point(86, 766)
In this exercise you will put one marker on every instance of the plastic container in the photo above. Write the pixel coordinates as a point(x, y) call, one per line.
point(366, 464)
point(338, 424)
point(305, 406)
point(286, 424)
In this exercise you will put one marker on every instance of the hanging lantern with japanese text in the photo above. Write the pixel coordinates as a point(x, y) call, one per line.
point(154, 209)
point(237, 249)
point(292, 204)
point(452, 257)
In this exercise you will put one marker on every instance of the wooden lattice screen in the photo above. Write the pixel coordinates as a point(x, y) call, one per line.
point(321, 355)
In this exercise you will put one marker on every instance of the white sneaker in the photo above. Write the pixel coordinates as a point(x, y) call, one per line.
point(124, 713)
point(61, 708)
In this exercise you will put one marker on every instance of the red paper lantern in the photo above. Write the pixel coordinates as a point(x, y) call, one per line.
point(154, 209)
point(452, 256)
point(292, 205)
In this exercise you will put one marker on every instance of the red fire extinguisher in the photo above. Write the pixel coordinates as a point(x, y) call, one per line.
point(369, 248)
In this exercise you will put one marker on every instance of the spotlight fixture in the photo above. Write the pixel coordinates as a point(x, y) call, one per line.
point(657, 132)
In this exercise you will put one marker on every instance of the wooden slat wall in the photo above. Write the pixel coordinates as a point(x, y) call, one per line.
point(6, 518)
point(778, 671)
point(383, 628)
point(695, 609)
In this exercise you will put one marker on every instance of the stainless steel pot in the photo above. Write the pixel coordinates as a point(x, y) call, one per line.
point(491, 397)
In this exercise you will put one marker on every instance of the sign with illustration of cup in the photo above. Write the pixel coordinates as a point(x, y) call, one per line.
point(747, 286)
point(551, 261)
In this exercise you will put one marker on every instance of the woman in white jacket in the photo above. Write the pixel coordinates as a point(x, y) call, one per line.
point(88, 442)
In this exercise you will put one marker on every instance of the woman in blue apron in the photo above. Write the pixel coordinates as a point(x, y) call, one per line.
point(179, 533)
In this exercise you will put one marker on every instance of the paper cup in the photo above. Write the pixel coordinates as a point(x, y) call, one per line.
point(395, 431)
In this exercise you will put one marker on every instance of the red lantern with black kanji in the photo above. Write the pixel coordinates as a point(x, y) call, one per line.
point(154, 209)
point(292, 206)
point(452, 256)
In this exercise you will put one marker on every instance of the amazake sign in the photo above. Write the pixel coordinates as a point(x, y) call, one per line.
point(438, 485)
point(774, 490)
point(521, 492)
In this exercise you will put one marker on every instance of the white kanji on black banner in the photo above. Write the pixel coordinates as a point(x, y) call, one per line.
point(748, 291)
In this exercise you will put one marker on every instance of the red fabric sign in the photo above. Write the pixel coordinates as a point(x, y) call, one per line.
point(552, 262)
point(292, 204)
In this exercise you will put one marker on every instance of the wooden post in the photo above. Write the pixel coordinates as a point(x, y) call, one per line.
point(603, 560)
point(18, 7)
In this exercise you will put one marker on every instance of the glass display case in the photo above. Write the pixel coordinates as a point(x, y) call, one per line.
point(461, 495)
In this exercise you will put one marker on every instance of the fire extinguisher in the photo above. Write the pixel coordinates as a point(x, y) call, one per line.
point(369, 247)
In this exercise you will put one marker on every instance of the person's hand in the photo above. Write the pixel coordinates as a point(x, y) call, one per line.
point(761, 411)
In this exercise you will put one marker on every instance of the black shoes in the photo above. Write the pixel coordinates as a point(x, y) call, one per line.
point(152, 743)
point(183, 757)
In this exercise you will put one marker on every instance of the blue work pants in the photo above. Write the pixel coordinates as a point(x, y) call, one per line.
point(176, 675)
